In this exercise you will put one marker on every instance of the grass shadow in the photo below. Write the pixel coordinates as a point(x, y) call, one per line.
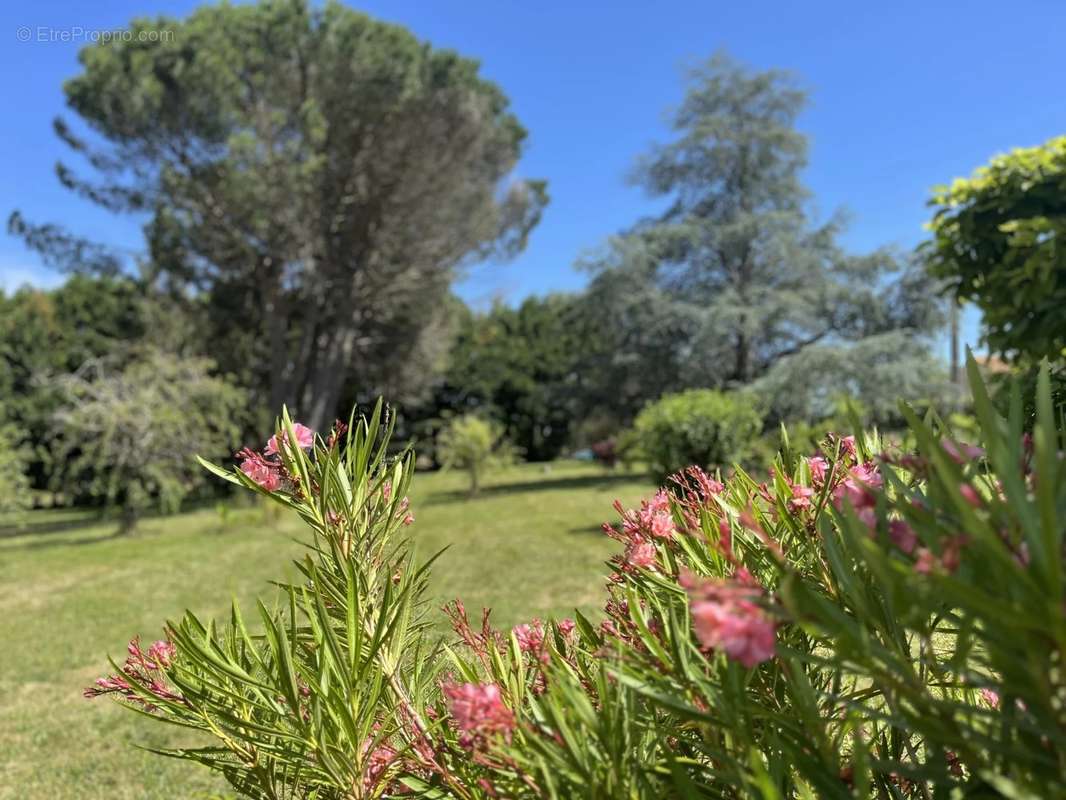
point(46, 544)
point(602, 482)
point(30, 528)
point(585, 530)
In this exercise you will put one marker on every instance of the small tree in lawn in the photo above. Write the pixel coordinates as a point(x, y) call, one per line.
point(128, 437)
point(474, 444)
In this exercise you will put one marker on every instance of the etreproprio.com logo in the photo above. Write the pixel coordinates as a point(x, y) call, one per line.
point(76, 33)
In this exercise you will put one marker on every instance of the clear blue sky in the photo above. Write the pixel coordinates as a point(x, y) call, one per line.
point(904, 95)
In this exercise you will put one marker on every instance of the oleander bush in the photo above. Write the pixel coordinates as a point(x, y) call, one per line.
point(698, 427)
point(865, 623)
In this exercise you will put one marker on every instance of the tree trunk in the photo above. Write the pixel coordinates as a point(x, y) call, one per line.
point(326, 380)
point(127, 523)
point(954, 341)
point(743, 358)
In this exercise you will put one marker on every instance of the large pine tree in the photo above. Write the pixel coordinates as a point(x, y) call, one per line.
point(319, 175)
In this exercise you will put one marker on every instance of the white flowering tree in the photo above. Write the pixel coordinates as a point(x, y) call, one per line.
point(129, 437)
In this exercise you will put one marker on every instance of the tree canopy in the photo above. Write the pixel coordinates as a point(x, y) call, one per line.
point(319, 175)
point(520, 365)
point(734, 277)
point(998, 240)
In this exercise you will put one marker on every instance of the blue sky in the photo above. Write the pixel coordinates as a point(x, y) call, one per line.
point(904, 95)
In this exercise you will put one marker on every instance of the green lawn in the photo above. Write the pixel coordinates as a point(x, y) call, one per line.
point(528, 546)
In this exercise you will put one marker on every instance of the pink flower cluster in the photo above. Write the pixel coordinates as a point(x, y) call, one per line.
point(478, 712)
point(403, 513)
point(642, 528)
point(727, 618)
point(264, 471)
point(859, 488)
point(530, 636)
point(653, 519)
point(267, 471)
point(376, 762)
point(146, 670)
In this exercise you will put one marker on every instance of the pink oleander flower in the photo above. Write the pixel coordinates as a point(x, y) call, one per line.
point(112, 684)
point(305, 438)
point(376, 763)
point(478, 712)
point(858, 487)
point(902, 535)
point(925, 562)
point(868, 517)
point(162, 653)
point(847, 445)
point(801, 497)
point(725, 618)
point(706, 486)
point(530, 636)
point(990, 697)
point(640, 553)
point(143, 669)
point(263, 472)
point(725, 535)
point(567, 626)
point(818, 466)
point(660, 503)
point(961, 453)
point(653, 518)
point(970, 495)
point(407, 519)
point(660, 525)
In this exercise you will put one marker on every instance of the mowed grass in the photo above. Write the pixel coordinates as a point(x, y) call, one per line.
point(528, 546)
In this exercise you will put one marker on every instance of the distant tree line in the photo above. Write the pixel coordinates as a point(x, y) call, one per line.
point(311, 183)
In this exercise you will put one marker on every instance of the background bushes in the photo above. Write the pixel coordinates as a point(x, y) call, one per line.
point(700, 426)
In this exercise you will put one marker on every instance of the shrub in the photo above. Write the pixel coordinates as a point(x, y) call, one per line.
point(700, 426)
point(865, 624)
point(473, 444)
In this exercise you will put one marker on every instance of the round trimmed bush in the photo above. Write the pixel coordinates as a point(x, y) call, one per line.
point(699, 426)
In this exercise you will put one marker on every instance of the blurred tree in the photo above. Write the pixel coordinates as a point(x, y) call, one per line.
point(15, 456)
point(875, 372)
point(475, 445)
point(732, 277)
point(519, 365)
point(323, 175)
point(128, 436)
point(999, 240)
point(46, 333)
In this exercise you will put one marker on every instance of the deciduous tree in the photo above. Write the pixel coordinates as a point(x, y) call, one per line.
point(999, 240)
